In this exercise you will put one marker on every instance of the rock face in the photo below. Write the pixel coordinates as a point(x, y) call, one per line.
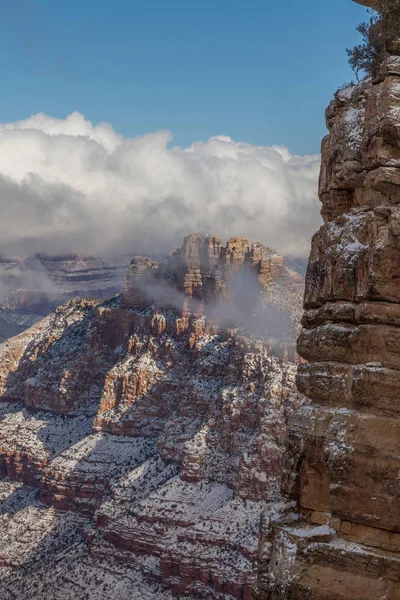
point(371, 3)
point(344, 454)
point(152, 426)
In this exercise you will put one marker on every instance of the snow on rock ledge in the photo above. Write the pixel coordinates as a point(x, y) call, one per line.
point(157, 422)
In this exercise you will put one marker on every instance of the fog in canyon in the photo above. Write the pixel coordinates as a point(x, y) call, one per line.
point(82, 188)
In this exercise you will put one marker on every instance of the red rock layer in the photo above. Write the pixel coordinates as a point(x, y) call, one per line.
point(344, 454)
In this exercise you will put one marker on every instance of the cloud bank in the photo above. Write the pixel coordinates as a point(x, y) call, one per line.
point(69, 186)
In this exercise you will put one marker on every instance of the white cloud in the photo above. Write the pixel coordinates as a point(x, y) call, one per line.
point(66, 185)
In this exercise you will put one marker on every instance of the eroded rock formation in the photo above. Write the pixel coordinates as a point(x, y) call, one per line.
point(343, 465)
point(156, 422)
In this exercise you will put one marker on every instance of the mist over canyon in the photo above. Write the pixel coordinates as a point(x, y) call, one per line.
point(85, 189)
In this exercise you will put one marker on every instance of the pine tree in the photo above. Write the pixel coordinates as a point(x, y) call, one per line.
point(377, 35)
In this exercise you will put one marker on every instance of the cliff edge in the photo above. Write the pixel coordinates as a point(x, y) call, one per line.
point(343, 455)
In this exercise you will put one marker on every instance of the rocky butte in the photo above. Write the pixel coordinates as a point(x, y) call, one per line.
point(142, 437)
point(343, 459)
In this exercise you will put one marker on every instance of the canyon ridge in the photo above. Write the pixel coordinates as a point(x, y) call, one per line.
point(142, 437)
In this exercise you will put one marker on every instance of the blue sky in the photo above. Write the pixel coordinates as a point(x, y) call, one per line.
point(260, 71)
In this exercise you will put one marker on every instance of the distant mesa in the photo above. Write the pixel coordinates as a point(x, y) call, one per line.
point(30, 288)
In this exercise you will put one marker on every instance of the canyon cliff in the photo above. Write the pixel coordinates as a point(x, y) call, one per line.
point(343, 456)
point(142, 437)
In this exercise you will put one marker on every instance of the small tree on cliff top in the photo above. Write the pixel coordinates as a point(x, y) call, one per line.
point(377, 34)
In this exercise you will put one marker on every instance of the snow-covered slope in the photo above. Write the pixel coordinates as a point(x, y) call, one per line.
point(154, 437)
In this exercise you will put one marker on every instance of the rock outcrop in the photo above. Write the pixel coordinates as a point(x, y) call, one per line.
point(343, 459)
point(156, 422)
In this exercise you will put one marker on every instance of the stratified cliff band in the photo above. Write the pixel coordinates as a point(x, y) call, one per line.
point(343, 460)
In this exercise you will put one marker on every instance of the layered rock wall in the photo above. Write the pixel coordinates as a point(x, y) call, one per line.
point(344, 451)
